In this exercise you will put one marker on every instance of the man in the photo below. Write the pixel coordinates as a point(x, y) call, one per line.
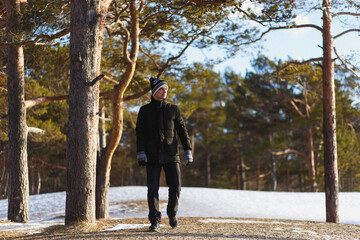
point(157, 127)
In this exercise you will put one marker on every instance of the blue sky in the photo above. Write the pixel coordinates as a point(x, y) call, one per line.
point(299, 44)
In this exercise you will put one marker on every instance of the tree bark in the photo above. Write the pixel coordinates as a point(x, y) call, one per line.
point(104, 167)
point(311, 161)
point(83, 106)
point(330, 147)
point(273, 173)
point(102, 187)
point(102, 197)
point(208, 170)
point(3, 175)
point(240, 173)
point(18, 188)
point(288, 180)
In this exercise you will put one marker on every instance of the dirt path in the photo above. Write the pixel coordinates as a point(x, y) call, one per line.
point(200, 228)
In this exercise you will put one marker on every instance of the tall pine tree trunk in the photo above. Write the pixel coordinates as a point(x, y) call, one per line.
point(18, 191)
point(330, 147)
point(102, 187)
point(104, 166)
point(83, 107)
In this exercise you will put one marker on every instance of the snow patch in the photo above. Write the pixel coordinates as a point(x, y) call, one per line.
point(244, 221)
point(125, 226)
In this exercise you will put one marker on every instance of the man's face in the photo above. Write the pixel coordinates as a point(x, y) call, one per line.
point(161, 93)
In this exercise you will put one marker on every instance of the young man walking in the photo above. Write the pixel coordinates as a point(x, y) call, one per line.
point(157, 127)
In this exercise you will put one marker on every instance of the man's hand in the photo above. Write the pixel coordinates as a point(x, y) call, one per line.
point(141, 158)
point(188, 157)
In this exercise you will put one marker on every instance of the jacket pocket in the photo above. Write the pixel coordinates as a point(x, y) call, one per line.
point(172, 149)
point(170, 137)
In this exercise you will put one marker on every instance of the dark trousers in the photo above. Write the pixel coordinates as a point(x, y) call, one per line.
point(173, 181)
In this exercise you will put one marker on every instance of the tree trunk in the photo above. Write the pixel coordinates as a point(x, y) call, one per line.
point(18, 192)
point(102, 190)
point(83, 106)
point(193, 141)
point(238, 172)
point(330, 148)
point(257, 177)
point(311, 162)
point(35, 182)
point(3, 175)
point(102, 129)
point(288, 180)
point(300, 182)
point(273, 174)
point(351, 179)
point(240, 182)
point(208, 170)
point(242, 173)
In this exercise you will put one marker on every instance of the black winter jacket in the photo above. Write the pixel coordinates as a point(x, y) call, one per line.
point(156, 128)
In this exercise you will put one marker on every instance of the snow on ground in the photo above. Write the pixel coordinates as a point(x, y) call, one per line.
point(49, 209)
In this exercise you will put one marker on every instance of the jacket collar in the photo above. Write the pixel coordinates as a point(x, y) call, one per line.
point(158, 103)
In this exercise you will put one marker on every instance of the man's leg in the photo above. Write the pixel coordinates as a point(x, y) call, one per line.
point(153, 181)
point(173, 180)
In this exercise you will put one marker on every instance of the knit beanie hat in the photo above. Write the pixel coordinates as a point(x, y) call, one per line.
point(156, 84)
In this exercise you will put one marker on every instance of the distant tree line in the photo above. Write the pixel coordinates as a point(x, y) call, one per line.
point(261, 131)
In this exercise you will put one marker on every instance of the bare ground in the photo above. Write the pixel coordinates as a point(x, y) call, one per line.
point(195, 228)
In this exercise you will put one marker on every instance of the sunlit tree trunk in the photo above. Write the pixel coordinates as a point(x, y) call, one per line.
point(18, 191)
point(104, 166)
point(83, 107)
point(330, 147)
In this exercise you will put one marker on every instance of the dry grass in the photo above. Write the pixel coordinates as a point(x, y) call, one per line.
point(195, 228)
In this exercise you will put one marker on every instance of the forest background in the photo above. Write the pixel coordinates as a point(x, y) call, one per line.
point(257, 131)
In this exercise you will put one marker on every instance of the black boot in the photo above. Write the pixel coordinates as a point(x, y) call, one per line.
point(173, 221)
point(154, 227)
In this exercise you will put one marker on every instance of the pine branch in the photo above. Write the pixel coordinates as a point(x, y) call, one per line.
point(95, 80)
point(297, 109)
point(150, 57)
point(50, 165)
point(2, 89)
point(126, 43)
point(168, 62)
point(248, 15)
point(33, 102)
point(137, 95)
point(346, 13)
point(285, 27)
point(39, 100)
point(346, 63)
point(287, 151)
point(46, 38)
point(347, 31)
point(299, 63)
point(208, 2)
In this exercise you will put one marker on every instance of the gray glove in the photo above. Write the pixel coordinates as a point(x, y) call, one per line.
point(141, 158)
point(188, 157)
